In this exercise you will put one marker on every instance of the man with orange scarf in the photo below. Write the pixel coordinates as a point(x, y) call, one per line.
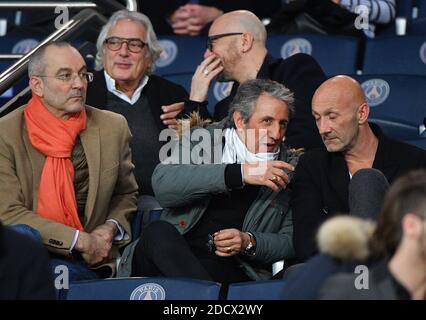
point(65, 168)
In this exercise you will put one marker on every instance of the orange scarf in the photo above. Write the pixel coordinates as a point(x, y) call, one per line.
point(55, 138)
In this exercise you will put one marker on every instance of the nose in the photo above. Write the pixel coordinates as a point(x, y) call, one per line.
point(78, 83)
point(275, 131)
point(207, 53)
point(124, 50)
point(323, 126)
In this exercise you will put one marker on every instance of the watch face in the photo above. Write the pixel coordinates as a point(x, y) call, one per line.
point(249, 251)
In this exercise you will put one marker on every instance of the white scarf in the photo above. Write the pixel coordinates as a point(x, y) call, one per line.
point(235, 151)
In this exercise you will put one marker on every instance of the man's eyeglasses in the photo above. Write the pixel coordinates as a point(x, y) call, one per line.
point(218, 36)
point(69, 77)
point(133, 45)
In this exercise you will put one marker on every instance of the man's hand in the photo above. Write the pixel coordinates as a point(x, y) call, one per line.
point(230, 242)
point(190, 19)
point(94, 248)
point(106, 231)
point(204, 74)
point(170, 113)
point(267, 173)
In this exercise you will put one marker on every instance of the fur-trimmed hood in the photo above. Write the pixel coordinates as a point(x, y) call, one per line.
point(193, 120)
point(346, 237)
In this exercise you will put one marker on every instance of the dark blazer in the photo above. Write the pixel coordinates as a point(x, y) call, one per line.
point(158, 91)
point(381, 286)
point(24, 268)
point(302, 75)
point(321, 182)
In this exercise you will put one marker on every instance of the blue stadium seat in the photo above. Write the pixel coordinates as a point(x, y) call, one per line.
point(418, 27)
point(19, 43)
point(404, 8)
point(217, 91)
point(421, 143)
point(15, 89)
point(180, 54)
point(398, 104)
point(155, 288)
point(335, 54)
point(256, 290)
point(421, 6)
point(395, 55)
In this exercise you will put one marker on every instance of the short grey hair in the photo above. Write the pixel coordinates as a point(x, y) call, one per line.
point(151, 38)
point(249, 92)
point(36, 64)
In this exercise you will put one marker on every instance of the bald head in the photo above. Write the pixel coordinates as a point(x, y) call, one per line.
point(240, 21)
point(341, 113)
point(342, 91)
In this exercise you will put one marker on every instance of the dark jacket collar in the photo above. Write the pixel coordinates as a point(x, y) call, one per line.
point(384, 160)
point(265, 71)
point(97, 95)
point(338, 172)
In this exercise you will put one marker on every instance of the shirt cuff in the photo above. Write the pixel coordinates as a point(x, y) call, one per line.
point(74, 241)
point(120, 234)
point(234, 176)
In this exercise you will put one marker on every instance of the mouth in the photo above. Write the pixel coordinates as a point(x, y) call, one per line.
point(271, 147)
point(123, 65)
point(329, 140)
point(76, 98)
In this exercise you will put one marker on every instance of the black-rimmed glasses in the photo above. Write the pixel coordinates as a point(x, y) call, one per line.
point(218, 36)
point(133, 44)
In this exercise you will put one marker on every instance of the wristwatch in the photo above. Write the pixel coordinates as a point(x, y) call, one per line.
point(250, 250)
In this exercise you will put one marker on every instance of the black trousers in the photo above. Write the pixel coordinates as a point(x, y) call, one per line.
point(163, 251)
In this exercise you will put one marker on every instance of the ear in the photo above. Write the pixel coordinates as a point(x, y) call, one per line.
point(238, 120)
point(247, 42)
point(36, 85)
point(363, 112)
point(411, 225)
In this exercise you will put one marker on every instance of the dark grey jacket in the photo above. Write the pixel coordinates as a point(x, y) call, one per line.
point(185, 191)
point(381, 285)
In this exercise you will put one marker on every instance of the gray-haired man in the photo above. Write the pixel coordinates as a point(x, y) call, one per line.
point(127, 51)
point(226, 221)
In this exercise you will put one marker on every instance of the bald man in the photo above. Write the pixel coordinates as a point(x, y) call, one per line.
point(236, 51)
point(322, 177)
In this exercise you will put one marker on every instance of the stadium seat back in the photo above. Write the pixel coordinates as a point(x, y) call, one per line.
point(335, 54)
point(256, 290)
point(395, 55)
point(397, 103)
point(181, 54)
point(155, 288)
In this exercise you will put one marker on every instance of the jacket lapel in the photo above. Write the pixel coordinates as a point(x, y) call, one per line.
point(154, 104)
point(338, 176)
point(97, 95)
point(90, 140)
point(37, 160)
point(384, 159)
